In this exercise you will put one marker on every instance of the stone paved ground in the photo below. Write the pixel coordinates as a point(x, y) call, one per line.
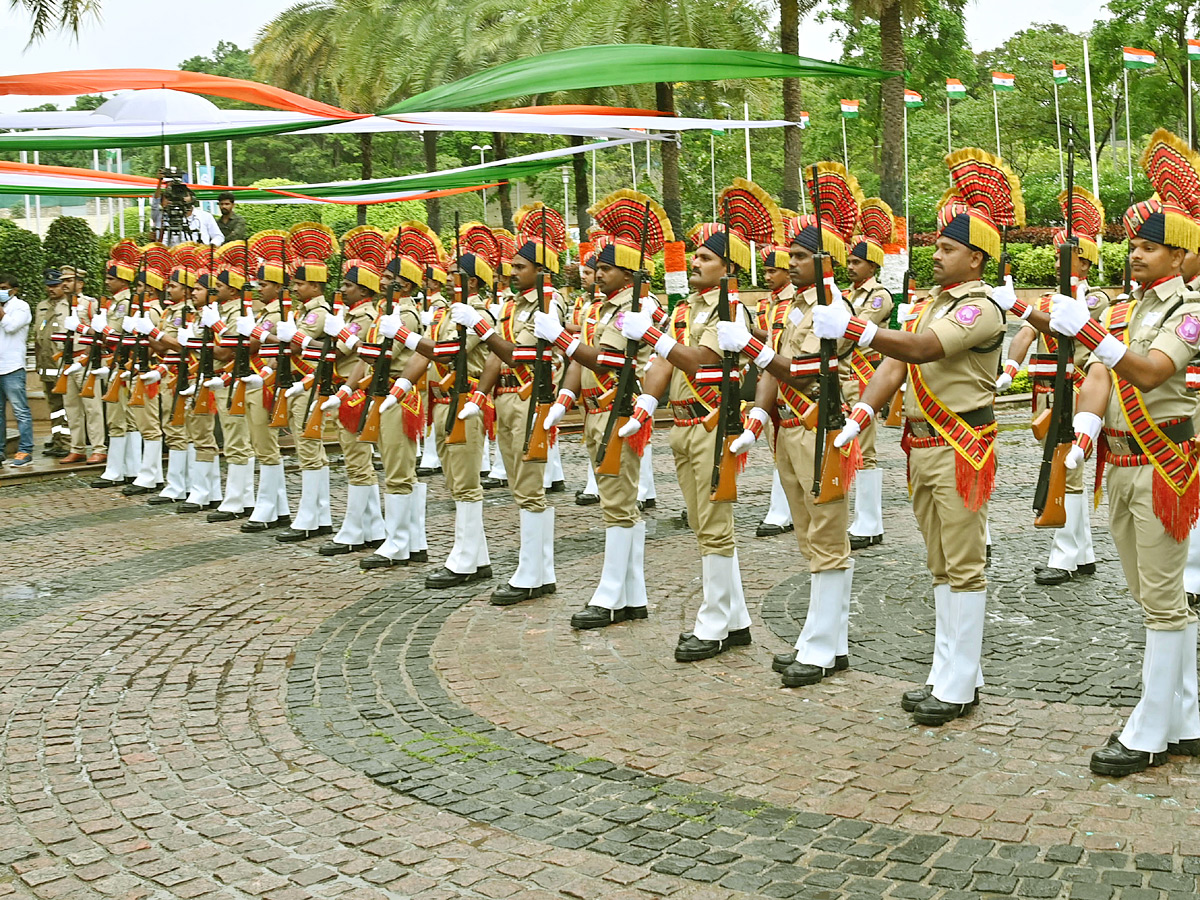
point(186, 711)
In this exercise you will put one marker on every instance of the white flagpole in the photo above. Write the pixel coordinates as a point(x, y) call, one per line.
point(845, 152)
point(229, 162)
point(1128, 138)
point(1189, 90)
point(633, 166)
point(949, 147)
point(996, 109)
point(712, 170)
point(746, 114)
point(593, 178)
point(1062, 177)
point(1087, 81)
point(28, 213)
point(906, 166)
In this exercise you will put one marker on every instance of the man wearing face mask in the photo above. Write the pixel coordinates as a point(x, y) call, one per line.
point(15, 318)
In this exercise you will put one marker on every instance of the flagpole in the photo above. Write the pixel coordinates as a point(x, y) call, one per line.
point(1062, 178)
point(712, 170)
point(906, 167)
point(1087, 81)
point(845, 152)
point(1189, 90)
point(996, 109)
point(949, 148)
point(1128, 138)
point(746, 114)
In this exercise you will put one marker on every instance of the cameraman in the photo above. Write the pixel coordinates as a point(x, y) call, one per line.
point(197, 224)
point(232, 226)
point(15, 318)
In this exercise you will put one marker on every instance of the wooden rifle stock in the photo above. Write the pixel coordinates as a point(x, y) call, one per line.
point(88, 391)
point(203, 400)
point(833, 484)
point(113, 394)
point(726, 489)
point(178, 409)
point(60, 385)
point(370, 429)
point(611, 464)
point(316, 419)
point(537, 441)
point(1041, 424)
point(279, 411)
point(137, 390)
point(1054, 512)
point(895, 415)
point(458, 430)
point(237, 400)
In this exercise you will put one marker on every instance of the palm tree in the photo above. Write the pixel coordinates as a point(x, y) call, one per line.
point(51, 15)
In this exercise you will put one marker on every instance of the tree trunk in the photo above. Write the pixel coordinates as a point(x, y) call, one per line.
point(789, 44)
point(664, 97)
point(368, 168)
point(504, 191)
point(891, 35)
point(580, 171)
point(433, 208)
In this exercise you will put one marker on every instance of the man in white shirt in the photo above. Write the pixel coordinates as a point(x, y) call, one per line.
point(14, 331)
point(199, 223)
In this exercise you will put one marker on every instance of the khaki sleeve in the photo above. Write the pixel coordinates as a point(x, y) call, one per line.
point(878, 307)
point(1180, 335)
point(973, 323)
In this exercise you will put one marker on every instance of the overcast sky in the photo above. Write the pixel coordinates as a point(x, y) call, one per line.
point(134, 33)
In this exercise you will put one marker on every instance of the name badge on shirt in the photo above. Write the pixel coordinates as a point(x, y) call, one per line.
point(524, 316)
point(701, 318)
point(1151, 319)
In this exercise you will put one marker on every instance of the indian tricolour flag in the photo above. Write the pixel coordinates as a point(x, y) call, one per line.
point(1059, 71)
point(913, 100)
point(1003, 81)
point(803, 120)
point(955, 89)
point(1193, 49)
point(1139, 59)
point(850, 109)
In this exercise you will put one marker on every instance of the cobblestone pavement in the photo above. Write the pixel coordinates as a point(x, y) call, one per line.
point(187, 711)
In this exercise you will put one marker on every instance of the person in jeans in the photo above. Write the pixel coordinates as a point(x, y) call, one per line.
point(14, 331)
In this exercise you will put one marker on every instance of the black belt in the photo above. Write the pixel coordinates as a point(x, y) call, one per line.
point(975, 418)
point(1175, 430)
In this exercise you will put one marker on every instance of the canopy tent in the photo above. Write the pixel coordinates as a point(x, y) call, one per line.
point(609, 65)
point(20, 178)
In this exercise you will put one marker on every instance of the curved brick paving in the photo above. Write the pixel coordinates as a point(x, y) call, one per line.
point(310, 731)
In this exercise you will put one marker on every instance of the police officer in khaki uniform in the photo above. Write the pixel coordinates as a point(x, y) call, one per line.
point(873, 302)
point(589, 494)
point(468, 559)
point(776, 277)
point(85, 417)
point(200, 416)
point(145, 401)
point(949, 353)
point(789, 388)
point(1136, 389)
point(49, 317)
point(124, 443)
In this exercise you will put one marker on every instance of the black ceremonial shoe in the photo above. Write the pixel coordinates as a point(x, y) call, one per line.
point(133, 490)
point(256, 527)
point(1086, 569)
point(223, 515)
point(333, 548)
point(1117, 760)
point(694, 649)
point(160, 500)
point(425, 471)
point(932, 711)
point(861, 542)
point(185, 507)
point(556, 487)
point(105, 483)
point(507, 595)
point(783, 660)
point(418, 556)
point(293, 535)
point(800, 674)
point(1051, 575)
point(582, 499)
point(444, 578)
point(599, 617)
point(488, 483)
point(1187, 747)
point(767, 530)
point(910, 699)
point(376, 561)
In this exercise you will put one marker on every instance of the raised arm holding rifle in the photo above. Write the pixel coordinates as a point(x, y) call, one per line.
point(116, 330)
point(145, 400)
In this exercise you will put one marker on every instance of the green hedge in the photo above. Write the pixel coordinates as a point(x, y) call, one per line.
point(21, 255)
point(1032, 266)
point(70, 241)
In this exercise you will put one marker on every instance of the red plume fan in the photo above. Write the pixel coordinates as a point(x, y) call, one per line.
point(985, 183)
point(368, 244)
point(126, 252)
point(233, 256)
point(186, 256)
point(508, 243)
point(1174, 172)
point(841, 198)
point(949, 206)
point(420, 242)
point(311, 240)
point(536, 219)
point(751, 212)
point(157, 258)
point(620, 215)
point(477, 238)
point(267, 248)
point(877, 222)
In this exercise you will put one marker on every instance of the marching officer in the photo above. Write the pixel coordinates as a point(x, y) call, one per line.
point(777, 278)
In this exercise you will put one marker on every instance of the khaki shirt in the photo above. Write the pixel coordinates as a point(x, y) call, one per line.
point(1178, 337)
point(48, 320)
point(871, 300)
point(516, 325)
point(359, 320)
point(798, 339)
point(768, 305)
point(694, 324)
point(599, 329)
point(444, 329)
point(1097, 302)
point(410, 318)
point(965, 321)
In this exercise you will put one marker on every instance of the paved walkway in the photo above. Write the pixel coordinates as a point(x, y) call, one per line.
point(187, 711)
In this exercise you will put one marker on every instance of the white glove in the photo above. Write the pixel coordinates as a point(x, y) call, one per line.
point(464, 315)
point(1003, 383)
point(331, 404)
point(209, 316)
point(184, 334)
point(388, 402)
point(253, 382)
point(245, 325)
point(214, 383)
point(100, 371)
point(848, 433)
point(830, 321)
point(426, 318)
point(127, 324)
point(644, 402)
point(469, 410)
point(1068, 315)
point(389, 325)
point(1074, 458)
point(1083, 423)
point(546, 326)
point(732, 336)
point(286, 330)
point(151, 377)
point(904, 311)
point(634, 326)
point(71, 322)
point(1003, 294)
point(99, 322)
point(554, 416)
point(333, 325)
point(295, 390)
point(189, 390)
point(142, 324)
point(73, 368)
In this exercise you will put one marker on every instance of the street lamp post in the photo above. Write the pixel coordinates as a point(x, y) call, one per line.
point(483, 149)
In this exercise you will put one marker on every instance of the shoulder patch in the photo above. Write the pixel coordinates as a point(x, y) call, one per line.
point(967, 315)
point(311, 318)
point(877, 303)
point(1189, 329)
point(354, 328)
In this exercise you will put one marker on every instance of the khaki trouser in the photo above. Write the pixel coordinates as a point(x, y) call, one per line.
point(820, 530)
point(357, 456)
point(694, 449)
point(146, 418)
point(85, 417)
point(866, 437)
point(120, 422)
point(398, 452)
point(264, 440)
point(202, 433)
point(1153, 560)
point(618, 493)
point(460, 462)
point(524, 478)
point(310, 453)
point(236, 431)
point(955, 537)
point(60, 439)
point(1075, 475)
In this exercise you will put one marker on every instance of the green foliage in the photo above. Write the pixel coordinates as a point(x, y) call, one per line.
point(70, 241)
point(1021, 383)
point(21, 255)
point(1033, 266)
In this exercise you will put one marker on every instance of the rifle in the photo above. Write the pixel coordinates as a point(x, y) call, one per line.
point(729, 411)
point(202, 399)
point(828, 483)
point(456, 428)
point(235, 397)
point(322, 386)
point(368, 422)
point(140, 357)
point(537, 442)
point(283, 362)
point(95, 359)
point(68, 350)
point(122, 353)
point(622, 404)
point(1049, 498)
point(179, 399)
